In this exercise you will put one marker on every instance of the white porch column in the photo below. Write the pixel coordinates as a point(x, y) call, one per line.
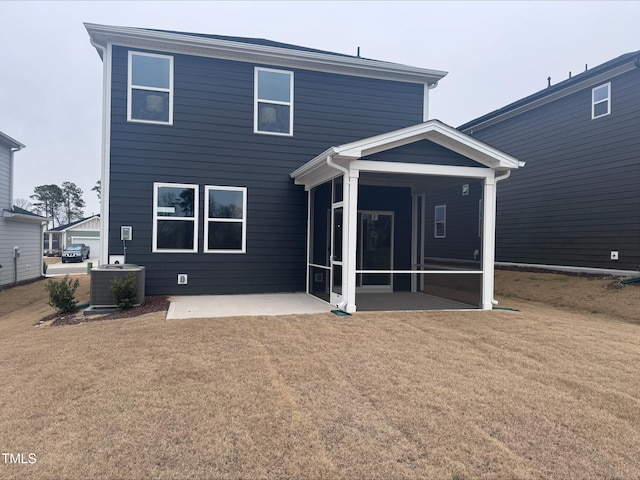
point(351, 219)
point(488, 241)
point(50, 237)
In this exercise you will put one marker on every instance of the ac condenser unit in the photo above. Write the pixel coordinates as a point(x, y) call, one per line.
point(102, 278)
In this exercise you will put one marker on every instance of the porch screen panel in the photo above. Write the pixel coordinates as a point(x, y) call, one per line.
point(319, 246)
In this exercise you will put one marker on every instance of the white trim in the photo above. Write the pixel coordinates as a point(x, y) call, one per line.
point(436, 132)
point(315, 265)
point(436, 221)
point(349, 280)
point(131, 86)
point(208, 219)
point(488, 243)
point(316, 170)
point(425, 103)
point(184, 43)
point(421, 169)
point(257, 100)
point(105, 180)
point(88, 219)
point(425, 272)
point(156, 218)
point(598, 102)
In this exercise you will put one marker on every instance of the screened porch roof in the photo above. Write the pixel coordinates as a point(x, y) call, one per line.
point(318, 169)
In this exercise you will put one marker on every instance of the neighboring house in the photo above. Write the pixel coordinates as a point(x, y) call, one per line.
point(577, 203)
point(85, 230)
point(208, 142)
point(20, 230)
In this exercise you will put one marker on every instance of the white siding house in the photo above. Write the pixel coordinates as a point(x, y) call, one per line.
point(20, 231)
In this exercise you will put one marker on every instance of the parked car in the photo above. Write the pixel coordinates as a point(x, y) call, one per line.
point(76, 252)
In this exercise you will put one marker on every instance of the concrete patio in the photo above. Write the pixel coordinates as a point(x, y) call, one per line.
point(211, 306)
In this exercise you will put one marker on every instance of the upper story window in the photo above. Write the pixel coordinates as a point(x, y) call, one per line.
point(150, 88)
point(225, 229)
point(273, 102)
point(175, 218)
point(601, 100)
point(440, 221)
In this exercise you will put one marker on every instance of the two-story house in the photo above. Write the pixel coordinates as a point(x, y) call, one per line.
point(244, 165)
point(576, 205)
point(20, 231)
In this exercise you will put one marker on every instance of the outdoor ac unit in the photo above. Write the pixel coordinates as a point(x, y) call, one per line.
point(102, 278)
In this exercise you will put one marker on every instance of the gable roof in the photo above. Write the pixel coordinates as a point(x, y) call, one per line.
point(63, 228)
point(253, 41)
point(17, 213)
point(588, 78)
point(431, 130)
point(10, 142)
point(259, 51)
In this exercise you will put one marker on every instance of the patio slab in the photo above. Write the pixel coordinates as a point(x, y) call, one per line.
point(271, 304)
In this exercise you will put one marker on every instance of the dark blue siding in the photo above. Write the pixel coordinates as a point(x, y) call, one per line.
point(211, 142)
point(577, 198)
point(424, 152)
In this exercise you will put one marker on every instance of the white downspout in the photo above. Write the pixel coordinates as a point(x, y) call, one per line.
point(11, 170)
point(425, 100)
point(106, 149)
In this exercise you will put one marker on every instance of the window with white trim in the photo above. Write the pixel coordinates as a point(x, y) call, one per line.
point(440, 221)
point(175, 218)
point(601, 101)
point(225, 229)
point(273, 102)
point(150, 88)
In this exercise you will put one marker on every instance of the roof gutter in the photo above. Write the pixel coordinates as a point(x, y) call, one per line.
point(17, 146)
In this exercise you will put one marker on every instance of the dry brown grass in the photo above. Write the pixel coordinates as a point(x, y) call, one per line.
point(540, 393)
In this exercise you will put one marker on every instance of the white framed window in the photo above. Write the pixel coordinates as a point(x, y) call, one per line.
point(225, 229)
point(150, 88)
point(601, 100)
point(175, 218)
point(440, 221)
point(273, 102)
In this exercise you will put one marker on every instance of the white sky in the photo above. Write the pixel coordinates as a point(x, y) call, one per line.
point(495, 53)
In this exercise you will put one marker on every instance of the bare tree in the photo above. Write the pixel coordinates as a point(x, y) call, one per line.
point(23, 204)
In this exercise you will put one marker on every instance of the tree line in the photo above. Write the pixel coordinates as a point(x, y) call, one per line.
point(62, 204)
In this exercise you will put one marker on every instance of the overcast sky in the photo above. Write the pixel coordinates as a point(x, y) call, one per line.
point(495, 53)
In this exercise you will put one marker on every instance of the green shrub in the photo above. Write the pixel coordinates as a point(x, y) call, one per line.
point(62, 294)
point(125, 291)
